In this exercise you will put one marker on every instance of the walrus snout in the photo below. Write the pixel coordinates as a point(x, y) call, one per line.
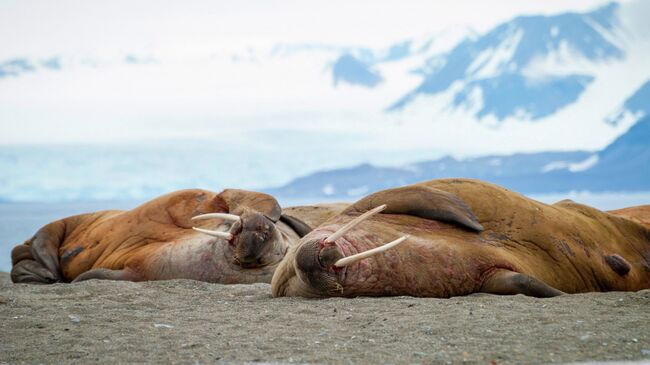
point(316, 256)
point(315, 264)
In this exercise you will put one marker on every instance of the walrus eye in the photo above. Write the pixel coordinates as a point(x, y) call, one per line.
point(362, 255)
point(343, 230)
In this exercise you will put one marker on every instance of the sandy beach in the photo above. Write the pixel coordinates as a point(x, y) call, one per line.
point(184, 321)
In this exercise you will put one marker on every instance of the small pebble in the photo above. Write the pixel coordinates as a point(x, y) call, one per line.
point(162, 325)
point(74, 319)
point(420, 354)
point(646, 352)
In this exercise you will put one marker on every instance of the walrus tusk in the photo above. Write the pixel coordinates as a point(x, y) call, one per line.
point(225, 235)
point(362, 255)
point(338, 234)
point(224, 216)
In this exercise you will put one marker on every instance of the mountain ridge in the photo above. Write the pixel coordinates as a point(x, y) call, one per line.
point(621, 166)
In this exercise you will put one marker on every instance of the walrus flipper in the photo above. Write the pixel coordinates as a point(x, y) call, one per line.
point(301, 228)
point(105, 274)
point(37, 260)
point(506, 282)
point(31, 272)
point(424, 202)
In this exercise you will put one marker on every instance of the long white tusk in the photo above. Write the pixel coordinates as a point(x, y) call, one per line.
point(362, 255)
point(225, 235)
point(224, 216)
point(338, 234)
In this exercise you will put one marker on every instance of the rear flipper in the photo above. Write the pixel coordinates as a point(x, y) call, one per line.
point(108, 274)
point(506, 282)
point(37, 260)
point(31, 272)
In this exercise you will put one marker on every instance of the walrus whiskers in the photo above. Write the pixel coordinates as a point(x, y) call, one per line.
point(219, 234)
point(224, 216)
point(362, 255)
point(338, 234)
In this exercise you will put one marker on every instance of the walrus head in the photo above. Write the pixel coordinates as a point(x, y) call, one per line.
point(321, 263)
point(251, 228)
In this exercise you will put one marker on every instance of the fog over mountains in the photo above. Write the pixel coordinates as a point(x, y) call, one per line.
point(539, 103)
point(622, 166)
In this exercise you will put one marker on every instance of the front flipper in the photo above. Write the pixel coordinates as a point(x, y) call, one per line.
point(423, 202)
point(506, 282)
point(301, 228)
point(107, 274)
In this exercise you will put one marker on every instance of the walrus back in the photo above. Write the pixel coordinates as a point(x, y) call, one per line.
point(639, 214)
point(571, 246)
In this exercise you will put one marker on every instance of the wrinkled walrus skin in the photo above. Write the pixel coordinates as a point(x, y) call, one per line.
point(468, 236)
point(155, 241)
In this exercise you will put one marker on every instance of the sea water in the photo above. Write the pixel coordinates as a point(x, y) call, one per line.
point(19, 221)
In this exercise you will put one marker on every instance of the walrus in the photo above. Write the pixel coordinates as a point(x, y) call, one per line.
point(235, 236)
point(454, 237)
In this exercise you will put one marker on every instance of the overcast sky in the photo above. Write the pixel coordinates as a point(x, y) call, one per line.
point(46, 27)
point(184, 83)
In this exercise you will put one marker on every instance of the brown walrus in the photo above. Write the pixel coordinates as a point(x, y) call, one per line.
point(242, 243)
point(455, 237)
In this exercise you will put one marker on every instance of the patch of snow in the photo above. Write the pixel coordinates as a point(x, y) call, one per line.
point(555, 165)
point(624, 116)
point(555, 31)
point(474, 101)
point(565, 60)
point(492, 62)
point(329, 189)
point(585, 165)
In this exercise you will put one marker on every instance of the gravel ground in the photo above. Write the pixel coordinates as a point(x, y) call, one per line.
point(184, 321)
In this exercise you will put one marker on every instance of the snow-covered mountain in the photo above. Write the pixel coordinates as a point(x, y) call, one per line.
point(528, 68)
point(497, 66)
point(527, 94)
point(635, 107)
